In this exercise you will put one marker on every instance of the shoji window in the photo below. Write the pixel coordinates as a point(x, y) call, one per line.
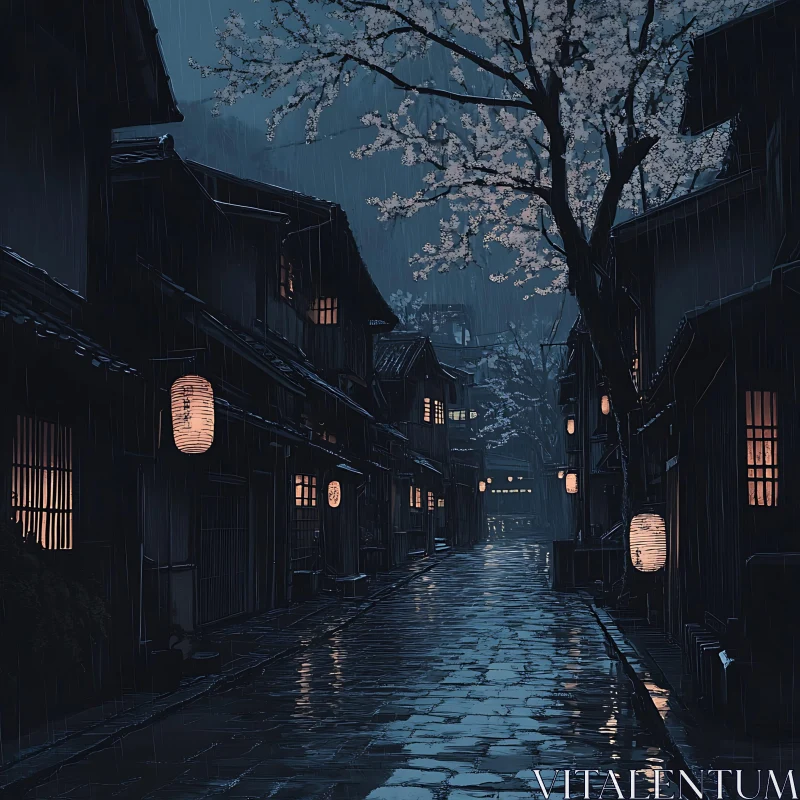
point(438, 407)
point(41, 481)
point(427, 414)
point(761, 422)
point(305, 490)
point(325, 311)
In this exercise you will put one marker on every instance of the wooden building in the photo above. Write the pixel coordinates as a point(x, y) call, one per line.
point(710, 321)
point(72, 407)
point(417, 392)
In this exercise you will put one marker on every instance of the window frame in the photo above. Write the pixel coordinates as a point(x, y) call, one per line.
point(324, 311)
point(762, 466)
point(51, 520)
point(307, 484)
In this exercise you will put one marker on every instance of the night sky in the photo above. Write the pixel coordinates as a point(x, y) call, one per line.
point(236, 142)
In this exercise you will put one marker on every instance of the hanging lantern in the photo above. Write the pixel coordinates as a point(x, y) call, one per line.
point(510, 478)
point(570, 425)
point(488, 480)
point(561, 474)
point(572, 483)
point(192, 414)
point(481, 486)
point(605, 405)
point(334, 494)
point(648, 541)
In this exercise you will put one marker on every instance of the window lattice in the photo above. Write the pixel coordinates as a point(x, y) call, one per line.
point(325, 311)
point(41, 481)
point(431, 501)
point(427, 414)
point(415, 497)
point(305, 490)
point(761, 421)
point(438, 407)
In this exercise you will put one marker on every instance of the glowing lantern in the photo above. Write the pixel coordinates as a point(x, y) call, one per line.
point(192, 414)
point(334, 494)
point(510, 478)
point(488, 480)
point(648, 541)
point(605, 405)
point(481, 486)
point(570, 425)
point(572, 483)
point(561, 474)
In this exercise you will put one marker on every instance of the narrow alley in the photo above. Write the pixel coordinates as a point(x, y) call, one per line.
point(456, 687)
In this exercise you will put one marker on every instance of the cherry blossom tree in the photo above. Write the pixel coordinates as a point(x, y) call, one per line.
point(521, 378)
point(552, 118)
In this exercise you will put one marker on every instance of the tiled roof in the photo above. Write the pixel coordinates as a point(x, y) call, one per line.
point(395, 355)
point(25, 310)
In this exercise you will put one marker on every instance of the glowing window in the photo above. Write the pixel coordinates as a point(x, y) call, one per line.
point(440, 502)
point(761, 422)
point(415, 497)
point(427, 415)
point(438, 408)
point(457, 415)
point(431, 501)
point(325, 311)
point(305, 490)
point(41, 481)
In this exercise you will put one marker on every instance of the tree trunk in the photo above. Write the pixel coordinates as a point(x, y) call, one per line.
point(598, 313)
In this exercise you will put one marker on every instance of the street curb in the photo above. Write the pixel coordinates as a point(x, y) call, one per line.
point(176, 700)
point(659, 704)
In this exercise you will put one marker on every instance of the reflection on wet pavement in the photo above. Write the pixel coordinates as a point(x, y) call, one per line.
point(457, 687)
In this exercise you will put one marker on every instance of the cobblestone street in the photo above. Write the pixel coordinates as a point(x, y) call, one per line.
point(457, 687)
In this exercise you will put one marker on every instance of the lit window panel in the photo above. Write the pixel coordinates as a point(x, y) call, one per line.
point(325, 311)
point(438, 408)
point(305, 490)
point(761, 424)
point(41, 481)
point(427, 413)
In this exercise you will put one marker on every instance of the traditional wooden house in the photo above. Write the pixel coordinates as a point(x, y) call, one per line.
point(323, 313)
point(417, 390)
point(273, 511)
point(71, 406)
point(711, 325)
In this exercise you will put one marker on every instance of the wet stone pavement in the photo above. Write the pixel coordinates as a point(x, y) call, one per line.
point(456, 687)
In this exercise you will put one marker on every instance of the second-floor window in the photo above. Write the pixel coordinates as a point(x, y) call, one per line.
point(431, 501)
point(305, 490)
point(462, 415)
point(438, 412)
point(415, 497)
point(427, 413)
point(286, 279)
point(761, 423)
point(325, 311)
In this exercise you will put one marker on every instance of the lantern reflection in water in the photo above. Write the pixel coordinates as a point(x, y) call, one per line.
point(648, 542)
point(192, 414)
